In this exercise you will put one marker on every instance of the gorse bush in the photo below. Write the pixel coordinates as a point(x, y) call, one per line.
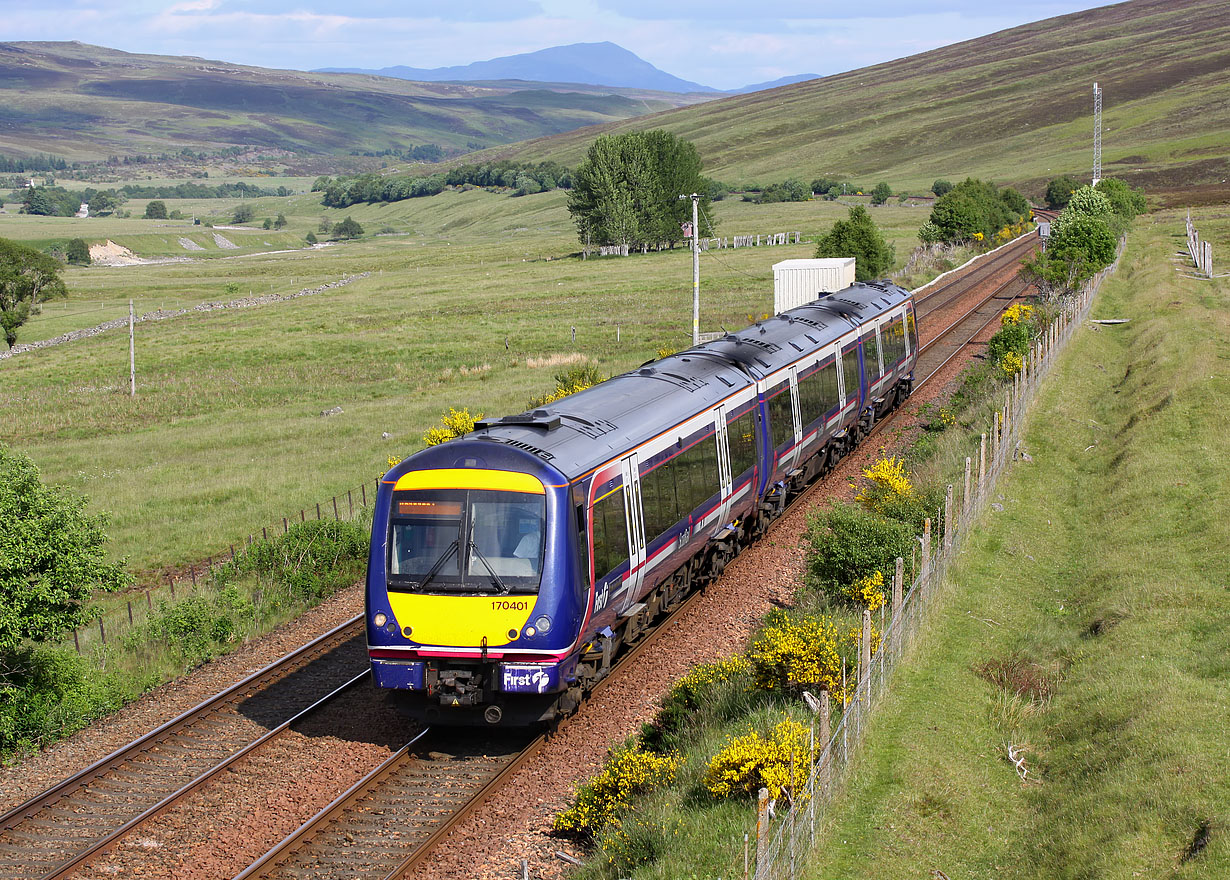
point(634, 842)
point(848, 542)
point(779, 761)
point(605, 798)
point(575, 378)
point(793, 653)
point(453, 424)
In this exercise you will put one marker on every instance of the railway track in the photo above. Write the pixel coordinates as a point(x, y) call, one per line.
point(387, 824)
point(60, 829)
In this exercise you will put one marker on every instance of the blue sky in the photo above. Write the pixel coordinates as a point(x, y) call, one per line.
point(720, 43)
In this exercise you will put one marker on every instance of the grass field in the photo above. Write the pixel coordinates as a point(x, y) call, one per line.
point(1099, 591)
point(225, 434)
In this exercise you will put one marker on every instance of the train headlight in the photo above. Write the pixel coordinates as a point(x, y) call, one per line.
point(544, 624)
point(530, 632)
point(380, 619)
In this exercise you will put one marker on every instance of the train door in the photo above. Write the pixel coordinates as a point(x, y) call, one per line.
point(636, 530)
point(724, 475)
point(798, 413)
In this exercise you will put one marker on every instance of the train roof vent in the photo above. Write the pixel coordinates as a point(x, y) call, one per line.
point(538, 418)
point(769, 347)
point(591, 429)
point(517, 444)
point(689, 383)
point(811, 322)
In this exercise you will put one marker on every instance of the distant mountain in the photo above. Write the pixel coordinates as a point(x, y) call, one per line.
point(604, 64)
point(89, 102)
point(784, 81)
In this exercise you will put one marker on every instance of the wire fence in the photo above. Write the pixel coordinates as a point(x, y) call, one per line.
point(112, 624)
point(783, 839)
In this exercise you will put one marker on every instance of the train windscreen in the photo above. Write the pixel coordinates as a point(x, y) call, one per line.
point(466, 541)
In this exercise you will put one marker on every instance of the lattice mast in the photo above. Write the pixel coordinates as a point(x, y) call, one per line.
point(1097, 134)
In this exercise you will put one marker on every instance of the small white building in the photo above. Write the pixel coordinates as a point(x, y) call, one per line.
point(84, 210)
point(796, 282)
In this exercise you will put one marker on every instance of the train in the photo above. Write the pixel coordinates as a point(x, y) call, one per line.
point(509, 568)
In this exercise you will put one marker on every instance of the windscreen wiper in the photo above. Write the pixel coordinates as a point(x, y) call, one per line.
point(444, 557)
point(503, 587)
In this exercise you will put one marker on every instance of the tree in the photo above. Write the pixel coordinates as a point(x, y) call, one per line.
point(243, 214)
point(156, 210)
point(105, 201)
point(347, 229)
point(880, 194)
point(1059, 190)
point(858, 237)
point(78, 252)
point(1124, 200)
point(974, 210)
point(51, 556)
point(941, 187)
point(268, 224)
point(627, 190)
point(27, 277)
point(310, 238)
point(280, 222)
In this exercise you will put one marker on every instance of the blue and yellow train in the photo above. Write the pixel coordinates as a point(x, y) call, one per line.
point(509, 567)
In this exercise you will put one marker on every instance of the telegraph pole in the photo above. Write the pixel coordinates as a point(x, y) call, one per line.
point(1097, 134)
point(132, 352)
point(695, 197)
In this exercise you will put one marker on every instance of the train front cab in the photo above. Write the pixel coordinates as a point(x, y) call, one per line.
point(474, 594)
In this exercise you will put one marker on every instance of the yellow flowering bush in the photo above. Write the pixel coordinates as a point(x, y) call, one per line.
point(791, 653)
point(889, 482)
point(454, 423)
point(394, 461)
point(978, 236)
point(608, 795)
point(570, 381)
point(745, 764)
point(868, 592)
point(1017, 313)
point(1010, 364)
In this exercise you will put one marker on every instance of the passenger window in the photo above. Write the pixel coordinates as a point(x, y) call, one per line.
point(781, 415)
point(741, 434)
point(610, 533)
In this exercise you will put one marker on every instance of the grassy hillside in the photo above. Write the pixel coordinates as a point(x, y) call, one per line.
point(1097, 594)
point(88, 102)
point(1015, 106)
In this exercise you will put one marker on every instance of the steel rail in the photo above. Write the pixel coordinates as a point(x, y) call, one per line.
point(101, 846)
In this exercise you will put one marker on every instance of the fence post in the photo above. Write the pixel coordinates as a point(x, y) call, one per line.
point(982, 468)
point(898, 584)
point(965, 505)
point(76, 642)
point(826, 734)
point(192, 571)
point(864, 656)
point(102, 632)
point(948, 519)
point(130, 612)
point(363, 489)
point(762, 828)
point(925, 568)
point(285, 526)
point(350, 500)
point(336, 516)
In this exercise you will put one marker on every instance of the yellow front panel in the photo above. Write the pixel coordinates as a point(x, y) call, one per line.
point(461, 621)
point(471, 478)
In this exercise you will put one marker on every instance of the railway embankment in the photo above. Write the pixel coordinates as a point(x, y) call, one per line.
point(1066, 713)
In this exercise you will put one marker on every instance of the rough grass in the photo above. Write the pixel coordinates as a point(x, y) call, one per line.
point(225, 434)
point(1100, 655)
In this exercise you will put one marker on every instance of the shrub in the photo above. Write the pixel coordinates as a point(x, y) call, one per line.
point(312, 560)
point(48, 693)
point(156, 210)
point(941, 187)
point(868, 592)
point(602, 800)
point(78, 252)
point(635, 842)
point(848, 542)
point(1059, 190)
point(748, 763)
point(198, 627)
point(860, 238)
point(880, 194)
point(791, 653)
point(310, 238)
point(243, 214)
point(1012, 339)
point(575, 378)
point(347, 229)
point(453, 424)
